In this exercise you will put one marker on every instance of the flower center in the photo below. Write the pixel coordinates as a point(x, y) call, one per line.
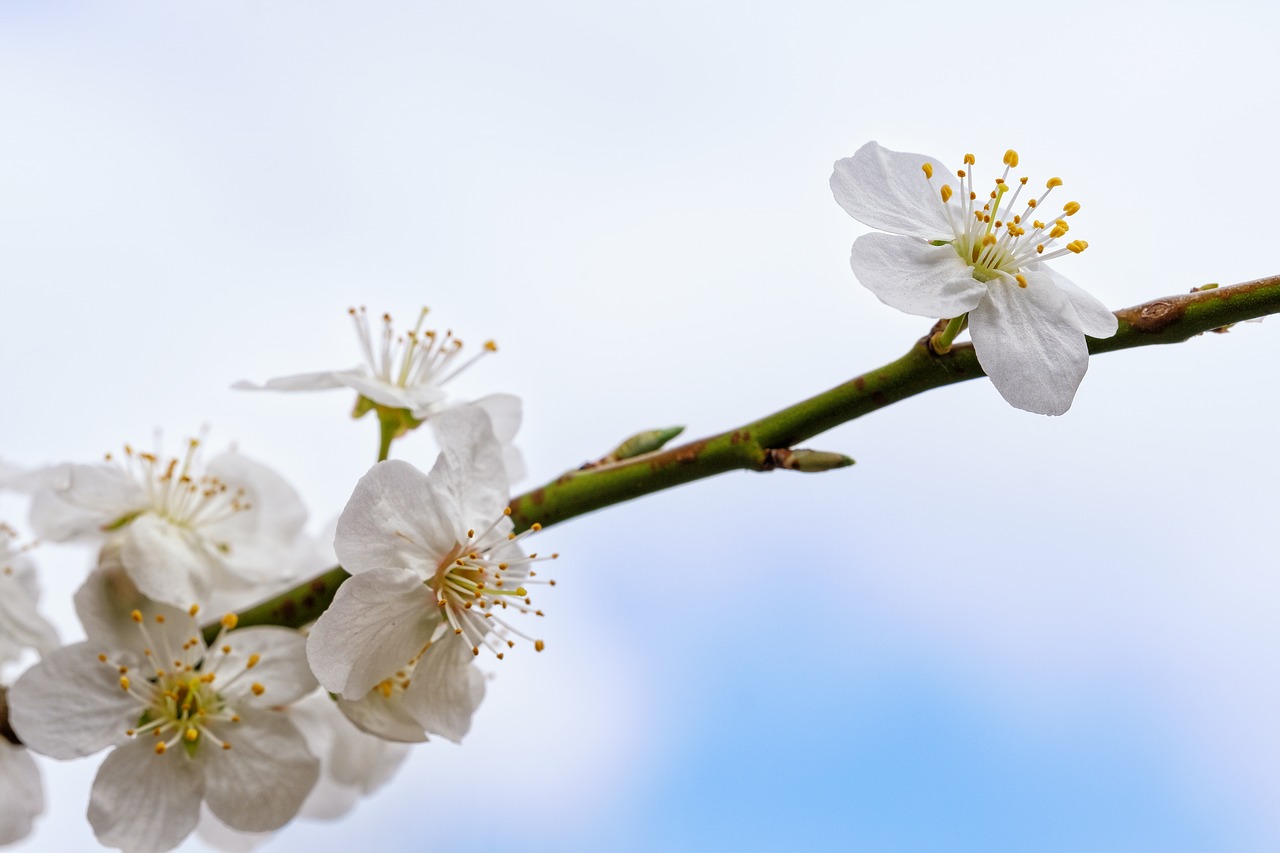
point(482, 577)
point(174, 687)
point(418, 357)
point(177, 491)
point(992, 238)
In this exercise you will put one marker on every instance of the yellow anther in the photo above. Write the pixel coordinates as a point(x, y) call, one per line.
point(226, 745)
point(230, 621)
point(491, 345)
point(258, 689)
point(160, 747)
point(191, 735)
point(960, 173)
point(1077, 246)
point(988, 239)
point(136, 616)
point(1011, 158)
point(1053, 182)
point(159, 618)
point(928, 170)
point(946, 193)
point(1058, 231)
point(124, 682)
point(538, 645)
point(1072, 208)
point(1022, 181)
point(1021, 279)
point(1037, 224)
point(102, 658)
point(969, 160)
point(507, 511)
point(1032, 204)
point(535, 527)
point(193, 610)
point(1040, 249)
point(253, 660)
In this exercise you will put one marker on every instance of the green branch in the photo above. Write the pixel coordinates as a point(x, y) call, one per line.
point(766, 444)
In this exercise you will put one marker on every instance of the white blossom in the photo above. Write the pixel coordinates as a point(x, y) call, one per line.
point(189, 723)
point(436, 568)
point(23, 796)
point(184, 531)
point(409, 371)
point(950, 250)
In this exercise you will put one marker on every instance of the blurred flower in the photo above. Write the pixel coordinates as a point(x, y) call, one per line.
point(949, 251)
point(189, 723)
point(408, 372)
point(434, 566)
point(23, 796)
point(184, 531)
point(21, 627)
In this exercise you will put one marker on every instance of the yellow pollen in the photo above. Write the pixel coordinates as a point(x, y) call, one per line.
point(1057, 231)
point(491, 346)
point(230, 621)
point(1011, 158)
point(1072, 208)
point(960, 173)
point(159, 618)
point(124, 682)
point(253, 660)
point(136, 616)
point(969, 160)
point(226, 745)
point(1053, 182)
point(1022, 280)
point(928, 170)
point(258, 689)
point(1022, 181)
point(989, 240)
point(191, 735)
point(160, 747)
point(102, 658)
point(1077, 246)
point(946, 193)
point(226, 650)
point(538, 645)
point(1040, 249)
point(1032, 204)
point(193, 610)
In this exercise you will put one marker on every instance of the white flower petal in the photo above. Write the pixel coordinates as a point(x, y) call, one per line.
point(382, 392)
point(505, 413)
point(21, 626)
point(1095, 318)
point(383, 717)
point(1029, 341)
point(70, 704)
point(105, 601)
point(260, 782)
point(281, 668)
point(446, 689)
point(80, 499)
point(322, 381)
point(888, 190)
point(168, 563)
point(219, 836)
point(472, 463)
point(378, 621)
point(912, 276)
point(397, 517)
point(23, 797)
point(143, 802)
point(361, 761)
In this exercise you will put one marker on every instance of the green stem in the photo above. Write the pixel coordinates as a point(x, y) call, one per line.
point(387, 434)
point(1163, 321)
point(941, 342)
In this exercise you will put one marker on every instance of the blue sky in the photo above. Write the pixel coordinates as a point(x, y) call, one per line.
point(995, 632)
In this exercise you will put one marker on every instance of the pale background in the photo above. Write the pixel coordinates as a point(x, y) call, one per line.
point(998, 632)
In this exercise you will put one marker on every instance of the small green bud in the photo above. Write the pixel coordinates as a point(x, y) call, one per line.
point(643, 442)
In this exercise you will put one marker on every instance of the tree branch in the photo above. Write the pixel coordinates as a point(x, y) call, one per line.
point(757, 445)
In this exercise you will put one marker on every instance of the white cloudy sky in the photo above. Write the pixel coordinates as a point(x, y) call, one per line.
point(996, 632)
